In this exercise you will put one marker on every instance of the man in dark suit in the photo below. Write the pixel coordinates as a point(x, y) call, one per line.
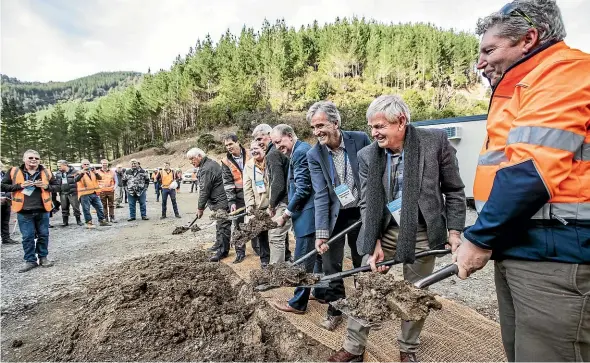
point(334, 168)
point(300, 207)
point(421, 166)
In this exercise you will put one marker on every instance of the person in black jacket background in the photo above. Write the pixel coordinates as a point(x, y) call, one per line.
point(69, 192)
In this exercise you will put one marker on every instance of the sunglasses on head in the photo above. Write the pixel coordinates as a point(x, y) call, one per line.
point(33, 158)
point(511, 10)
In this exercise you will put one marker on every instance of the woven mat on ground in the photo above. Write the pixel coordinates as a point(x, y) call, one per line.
point(455, 333)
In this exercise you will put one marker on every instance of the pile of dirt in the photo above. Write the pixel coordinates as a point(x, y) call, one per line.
point(180, 230)
point(260, 221)
point(220, 214)
point(379, 297)
point(171, 307)
point(282, 274)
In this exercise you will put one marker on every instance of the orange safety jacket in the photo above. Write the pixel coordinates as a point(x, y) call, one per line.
point(18, 197)
point(88, 185)
point(235, 170)
point(167, 178)
point(534, 167)
point(107, 183)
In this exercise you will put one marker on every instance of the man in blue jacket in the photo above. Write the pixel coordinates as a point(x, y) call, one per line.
point(300, 207)
point(334, 168)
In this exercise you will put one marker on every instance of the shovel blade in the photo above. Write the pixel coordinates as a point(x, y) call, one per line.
point(319, 285)
point(262, 288)
point(362, 322)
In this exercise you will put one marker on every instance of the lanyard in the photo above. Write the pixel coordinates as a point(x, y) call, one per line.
point(333, 167)
point(34, 177)
point(254, 173)
point(390, 175)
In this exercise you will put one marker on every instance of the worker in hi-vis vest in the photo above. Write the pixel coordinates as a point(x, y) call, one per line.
point(532, 184)
point(168, 183)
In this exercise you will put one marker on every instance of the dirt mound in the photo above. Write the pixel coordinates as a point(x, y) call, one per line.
point(173, 307)
point(379, 297)
point(282, 274)
point(257, 223)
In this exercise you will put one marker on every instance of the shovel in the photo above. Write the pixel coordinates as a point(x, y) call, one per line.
point(182, 229)
point(325, 281)
point(437, 276)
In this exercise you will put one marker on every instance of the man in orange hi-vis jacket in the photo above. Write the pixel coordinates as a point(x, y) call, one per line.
point(532, 186)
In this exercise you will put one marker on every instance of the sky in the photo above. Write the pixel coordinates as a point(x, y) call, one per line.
point(60, 40)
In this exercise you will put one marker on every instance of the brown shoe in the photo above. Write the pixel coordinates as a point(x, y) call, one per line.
point(343, 356)
point(331, 322)
point(286, 308)
point(407, 357)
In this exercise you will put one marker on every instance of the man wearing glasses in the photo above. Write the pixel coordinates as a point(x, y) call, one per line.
point(89, 191)
point(532, 185)
point(31, 186)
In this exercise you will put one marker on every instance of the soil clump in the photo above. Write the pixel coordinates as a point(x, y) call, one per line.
point(379, 297)
point(282, 274)
point(259, 222)
point(171, 307)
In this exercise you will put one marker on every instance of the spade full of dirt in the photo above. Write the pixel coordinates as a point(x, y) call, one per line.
point(282, 274)
point(168, 307)
point(380, 297)
point(259, 222)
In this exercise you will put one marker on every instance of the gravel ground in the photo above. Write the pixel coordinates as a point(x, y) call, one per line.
point(79, 253)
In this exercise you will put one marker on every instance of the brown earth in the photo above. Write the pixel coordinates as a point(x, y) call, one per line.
point(282, 275)
point(257, 223)
point(379, 297)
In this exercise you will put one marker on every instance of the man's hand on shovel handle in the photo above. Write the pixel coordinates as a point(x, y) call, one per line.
point(321, 246)
point(377, 257)
point(470, 258)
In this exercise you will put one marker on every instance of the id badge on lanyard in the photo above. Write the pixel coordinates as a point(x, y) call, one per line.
point(342, 191)
point(395, 206)
point(260, 187)
point(28, 191)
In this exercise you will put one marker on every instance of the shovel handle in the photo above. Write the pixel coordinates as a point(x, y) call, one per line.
point(237, 211)
point(437, 276)
point(392, 262)
point(193, 222)
point(330, 241)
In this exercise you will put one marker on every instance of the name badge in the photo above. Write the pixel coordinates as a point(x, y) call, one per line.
point(28, 191)
point(395, 208)
point(64, 181)
point(260, 187)
point(344, 194)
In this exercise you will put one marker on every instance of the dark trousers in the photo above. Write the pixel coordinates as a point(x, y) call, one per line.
point(303, 245)
point(222, 236)
point(67, 200)
point(87, 201)
point(287, 250)
point(194, 185)
point(133, 199)
point(5, 211)
point(172, 194)
point(333, 259)
point(263, 247)
point(34, 225)
point(158, 188)
point(108, 203)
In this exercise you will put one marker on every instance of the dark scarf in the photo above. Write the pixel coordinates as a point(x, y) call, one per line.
point(376, 198)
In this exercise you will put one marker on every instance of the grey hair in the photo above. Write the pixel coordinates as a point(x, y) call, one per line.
point(83, 160)
point(194, 152)
point(284, 130)
point(326, 107)
point(262, 129)
point(545, 15)
point(391, 106)
point(31, 151)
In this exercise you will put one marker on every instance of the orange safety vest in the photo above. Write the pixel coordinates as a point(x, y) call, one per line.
point(539, 111)
point(18, 197)
point(88, 185)
point(194, 176)
point(235, 171)
point(107, 183)
point(167, 178)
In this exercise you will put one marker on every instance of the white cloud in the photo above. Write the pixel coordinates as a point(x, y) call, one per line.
point(66, 39)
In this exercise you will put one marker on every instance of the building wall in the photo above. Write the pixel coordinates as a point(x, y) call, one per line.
point(468, 146)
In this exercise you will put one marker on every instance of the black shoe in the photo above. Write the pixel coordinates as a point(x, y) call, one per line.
point(79, 221)
point(27, 266)
point(218, 257)
point(50, 226)
point(163, 217)
point(9, 241)
point(65, 222)
point(44, 262)
point(130, 219)
point(213, 248)
point(178, 216)
point(145, 218)
point(239, 258)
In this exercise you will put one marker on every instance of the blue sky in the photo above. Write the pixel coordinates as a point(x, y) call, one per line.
point(59, 40)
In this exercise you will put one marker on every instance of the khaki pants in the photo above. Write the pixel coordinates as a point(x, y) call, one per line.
point(276, 237)
point(544, 310)
point(108, 204)
point(409, 337)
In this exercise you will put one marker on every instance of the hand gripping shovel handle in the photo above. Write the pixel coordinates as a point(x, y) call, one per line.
point(331, 240)
point(437, 276)
point(339, 275)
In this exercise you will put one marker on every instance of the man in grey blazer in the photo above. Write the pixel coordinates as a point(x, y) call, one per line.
point(418, 167)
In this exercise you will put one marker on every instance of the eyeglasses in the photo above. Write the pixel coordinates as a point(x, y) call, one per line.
point(511, 10)
point(85, 164)
point(33, 158)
